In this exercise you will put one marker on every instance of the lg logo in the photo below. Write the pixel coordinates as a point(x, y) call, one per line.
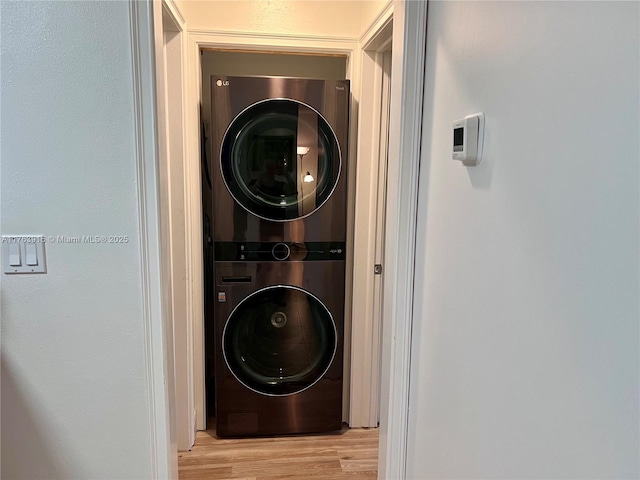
point(221, 83)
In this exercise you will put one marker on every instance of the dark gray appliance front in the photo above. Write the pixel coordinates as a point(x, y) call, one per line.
point(279, 336)
point(279, 152)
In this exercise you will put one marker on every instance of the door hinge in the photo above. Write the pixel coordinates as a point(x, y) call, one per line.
point(377, 269)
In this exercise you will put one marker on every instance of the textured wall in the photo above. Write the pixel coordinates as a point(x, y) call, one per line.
point(74, 393)
point(369, 11)
point(302, 17)
point(525, 354)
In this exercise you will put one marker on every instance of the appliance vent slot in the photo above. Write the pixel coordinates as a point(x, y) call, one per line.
point(236, 279)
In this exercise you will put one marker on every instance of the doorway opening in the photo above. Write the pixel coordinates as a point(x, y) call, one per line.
point(406, 95)
point(360, 61)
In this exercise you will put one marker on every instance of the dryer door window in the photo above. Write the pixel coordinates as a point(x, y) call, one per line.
point(279, 340)
point(280, 160)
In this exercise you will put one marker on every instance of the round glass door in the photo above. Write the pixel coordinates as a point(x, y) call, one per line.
point(280, 160)
point(279, 340)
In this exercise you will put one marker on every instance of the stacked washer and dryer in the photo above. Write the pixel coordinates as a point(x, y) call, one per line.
point(280, 194)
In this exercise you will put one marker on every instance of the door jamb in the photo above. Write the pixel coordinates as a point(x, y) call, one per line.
point(365, 354)
point(408, 63)
point(182, 307)
point(155, 310)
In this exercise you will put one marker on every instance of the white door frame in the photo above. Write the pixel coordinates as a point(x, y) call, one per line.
point(222, 40)
point(409, 38)
point(407, 88)
point(171, 64)
point(154, 290)
point(365, 349)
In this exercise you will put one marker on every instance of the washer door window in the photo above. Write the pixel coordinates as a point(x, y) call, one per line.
point(279, 341)
point(280, 160)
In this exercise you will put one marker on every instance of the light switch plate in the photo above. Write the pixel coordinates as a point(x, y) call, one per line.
point(33, 255)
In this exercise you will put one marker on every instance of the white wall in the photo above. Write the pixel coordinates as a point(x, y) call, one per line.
point(74, 388)
point(369, 12)
point(525, 354)
point(302, 17)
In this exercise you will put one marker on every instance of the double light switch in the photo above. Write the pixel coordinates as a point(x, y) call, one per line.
point(23, 254)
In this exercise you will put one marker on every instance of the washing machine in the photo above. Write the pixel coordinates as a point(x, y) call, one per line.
point(279, 339)
point(279, 152)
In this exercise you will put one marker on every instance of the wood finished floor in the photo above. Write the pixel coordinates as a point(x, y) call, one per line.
point(349, 454)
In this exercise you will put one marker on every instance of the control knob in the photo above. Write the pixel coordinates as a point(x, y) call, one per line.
point(281, 251)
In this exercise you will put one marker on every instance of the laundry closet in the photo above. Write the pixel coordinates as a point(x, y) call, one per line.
point(283, 73)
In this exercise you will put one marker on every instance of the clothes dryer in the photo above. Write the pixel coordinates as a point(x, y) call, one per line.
point(279, 339)
point(279, 154)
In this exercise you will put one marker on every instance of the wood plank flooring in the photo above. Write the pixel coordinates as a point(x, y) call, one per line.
point(349, 454)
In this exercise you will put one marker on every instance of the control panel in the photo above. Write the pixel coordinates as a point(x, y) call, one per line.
point(468, 139)
point(278, 251)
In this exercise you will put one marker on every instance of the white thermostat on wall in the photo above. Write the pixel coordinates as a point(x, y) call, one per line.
point(468, 137)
